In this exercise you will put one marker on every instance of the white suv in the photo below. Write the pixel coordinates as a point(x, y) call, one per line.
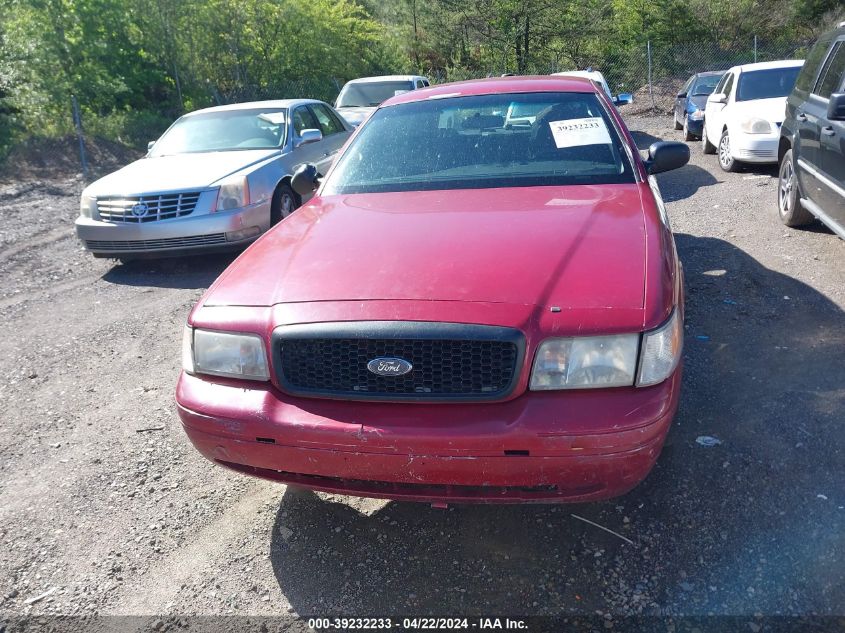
point(744, 114)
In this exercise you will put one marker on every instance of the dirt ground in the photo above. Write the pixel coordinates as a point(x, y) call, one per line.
point(107, 509)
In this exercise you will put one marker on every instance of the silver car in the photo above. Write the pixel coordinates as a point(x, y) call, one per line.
point(215, 180)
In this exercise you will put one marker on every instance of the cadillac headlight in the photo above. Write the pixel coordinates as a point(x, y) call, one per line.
point(661, 351)
point(233, 194)
point(584, 363)
point(87, 206)
point(696, 115)
point(755, 125)
point(224, 354)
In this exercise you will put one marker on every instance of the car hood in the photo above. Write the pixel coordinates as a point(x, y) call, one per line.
point(355, 116)
point(769, 109)
point(571, 247)
point(700, 101)
point(177, 172)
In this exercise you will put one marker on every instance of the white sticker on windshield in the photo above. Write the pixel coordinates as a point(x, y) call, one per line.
point(577, 132)
point(273, 118)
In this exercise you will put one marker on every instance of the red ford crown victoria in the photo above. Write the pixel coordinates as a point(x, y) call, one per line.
point(475, 307)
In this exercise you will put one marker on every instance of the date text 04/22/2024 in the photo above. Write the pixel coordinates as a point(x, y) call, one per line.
point(417, 624)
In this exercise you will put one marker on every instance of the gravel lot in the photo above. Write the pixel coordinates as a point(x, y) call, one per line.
point(111, 518)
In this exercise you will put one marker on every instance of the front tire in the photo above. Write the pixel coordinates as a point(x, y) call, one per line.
point(726, 160)
point(706, 146)
point(678, 126)
point(790, 209)
point(285, 202)
point(688, 136)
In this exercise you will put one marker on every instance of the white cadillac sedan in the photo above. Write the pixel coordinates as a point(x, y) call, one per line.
point(744, 113)
point(215, 180)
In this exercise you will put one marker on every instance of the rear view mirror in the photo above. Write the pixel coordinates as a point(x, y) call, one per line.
point(682, 95)
point(309, 136)
point(623, 98)
point(150, 145)
point(665, 156)
point(836, 107)
point(305, 179)
point(717, 97)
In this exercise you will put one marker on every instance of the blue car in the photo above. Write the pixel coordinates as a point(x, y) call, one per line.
point(689, 106)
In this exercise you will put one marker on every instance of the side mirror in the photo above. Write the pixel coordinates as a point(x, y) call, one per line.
point(682, 95)
point(623, 98)
point(836, 107)
point(150, 145)
point(665, 156)
point(306, 179)
point(718, 97)
point(308, 136)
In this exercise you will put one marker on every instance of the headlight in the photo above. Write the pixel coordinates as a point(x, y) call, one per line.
point(755, 125)
point(696, 115)
point(224, 354)
point(584, 363)
point(661, 351)
point(87, 206)
point(233, 194)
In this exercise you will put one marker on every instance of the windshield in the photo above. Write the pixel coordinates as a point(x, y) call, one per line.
point(371, 93)
point(224, 131)
point(466, 143)
point(766, 84)
point(705, 85)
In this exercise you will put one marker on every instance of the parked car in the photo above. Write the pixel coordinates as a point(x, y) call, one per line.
point(215, 180)
point(744, 114)
point(360, 97)
point(464, 312)
point(621, 99)
point(692, 98)
point(812, 139)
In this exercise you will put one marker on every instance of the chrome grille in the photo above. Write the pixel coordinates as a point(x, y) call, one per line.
point(168, 242)
point(140, 209)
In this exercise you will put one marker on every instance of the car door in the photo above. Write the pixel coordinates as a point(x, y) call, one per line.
point(714, 115)
point(831, 152)
point(681, 101)
point(334, 134)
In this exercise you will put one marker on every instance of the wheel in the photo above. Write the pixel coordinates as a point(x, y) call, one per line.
point(678, 126)
point(688, 136)
point(285, 202)
point(726, 161)
point(706, 146)
point(791, 212)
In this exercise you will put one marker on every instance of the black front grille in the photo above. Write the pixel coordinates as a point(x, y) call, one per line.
point(450, 361)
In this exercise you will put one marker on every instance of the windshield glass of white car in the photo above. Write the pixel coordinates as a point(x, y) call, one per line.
point(766, 84)
point(224, 131)
point(370, 93)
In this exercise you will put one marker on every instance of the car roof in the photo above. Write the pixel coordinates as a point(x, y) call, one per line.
point(366, 80)
point(784, 63)
point(710, 73)
point(497, 85)
point(249, 105)
point(589, 74)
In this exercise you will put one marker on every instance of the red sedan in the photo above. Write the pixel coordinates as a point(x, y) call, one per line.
point(482, 303)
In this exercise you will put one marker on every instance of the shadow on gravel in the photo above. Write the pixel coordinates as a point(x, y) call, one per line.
point(684, 182)
point(754, 524)
point(644, 139)
point(183, 272)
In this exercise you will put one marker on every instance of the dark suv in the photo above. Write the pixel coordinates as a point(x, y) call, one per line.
point(812, 139)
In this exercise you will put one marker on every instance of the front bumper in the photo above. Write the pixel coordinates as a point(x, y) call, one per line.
point(194, 233)
point(695, 126)
point(755, 148)
point(539, 447)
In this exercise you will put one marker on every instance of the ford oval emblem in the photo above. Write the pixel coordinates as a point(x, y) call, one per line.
point(389, 366)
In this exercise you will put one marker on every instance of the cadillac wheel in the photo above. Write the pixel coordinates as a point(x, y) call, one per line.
point(789, 201)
